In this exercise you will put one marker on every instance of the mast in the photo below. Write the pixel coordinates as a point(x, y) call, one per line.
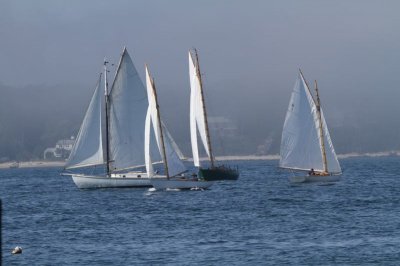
point(308, 87)
point(204, 109)
point(107, 118)
point(159, 124)
point(321, 132)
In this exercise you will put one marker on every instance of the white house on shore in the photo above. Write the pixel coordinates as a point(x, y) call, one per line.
point(61, 151)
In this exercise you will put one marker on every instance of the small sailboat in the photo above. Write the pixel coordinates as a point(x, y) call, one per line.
point(198, 121)
point(173, 167)
point(125, 111)
point(306, 144)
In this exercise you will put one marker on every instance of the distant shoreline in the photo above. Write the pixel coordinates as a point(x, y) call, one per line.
point(32, 164)
point(276, 156)
point(37, 164)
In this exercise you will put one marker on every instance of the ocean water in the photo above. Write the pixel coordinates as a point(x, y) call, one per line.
point(261, 219)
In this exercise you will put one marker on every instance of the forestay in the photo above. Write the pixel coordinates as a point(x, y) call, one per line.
point(197, 116)
point(88, 148)
point(300, 145)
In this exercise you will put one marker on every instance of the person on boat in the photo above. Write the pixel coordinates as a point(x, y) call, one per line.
point(311, 172)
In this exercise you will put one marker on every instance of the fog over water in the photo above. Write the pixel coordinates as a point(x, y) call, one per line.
point(250, 51)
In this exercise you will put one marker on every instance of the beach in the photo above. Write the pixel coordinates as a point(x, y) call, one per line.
point(32, 164)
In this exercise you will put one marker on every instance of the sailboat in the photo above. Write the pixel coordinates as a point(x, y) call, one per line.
point(306, 144)
point(198, 122)
point(172, 164)
point(125, 111)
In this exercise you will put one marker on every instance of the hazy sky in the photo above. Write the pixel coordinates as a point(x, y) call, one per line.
point(250, 51)
point(45, 42)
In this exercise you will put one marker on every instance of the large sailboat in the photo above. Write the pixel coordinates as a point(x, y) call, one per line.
point(173, 166)
point(306, 144)
point(124, 115)
point(198, 122)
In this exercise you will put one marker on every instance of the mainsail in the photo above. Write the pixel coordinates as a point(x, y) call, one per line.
point(128, 108)
point(173, 164)
point(88, 148)
point(300, 144)
point(197, 115)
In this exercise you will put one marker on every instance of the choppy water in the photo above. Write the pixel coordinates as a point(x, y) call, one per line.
point(258, 220)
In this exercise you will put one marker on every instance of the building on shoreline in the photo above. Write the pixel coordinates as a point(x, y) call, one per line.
point(61, 151)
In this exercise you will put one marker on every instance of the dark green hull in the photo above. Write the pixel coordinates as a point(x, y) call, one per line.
point(219, 173)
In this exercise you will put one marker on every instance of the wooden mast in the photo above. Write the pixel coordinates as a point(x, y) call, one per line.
point(107, 118)
point(308, 87)
point(159, 123)
point(321, 131)
point(204, 109)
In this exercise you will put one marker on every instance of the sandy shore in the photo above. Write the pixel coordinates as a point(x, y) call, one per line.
point(33, 164)
point(248, 157)
point(276, 156)
point(369, 154)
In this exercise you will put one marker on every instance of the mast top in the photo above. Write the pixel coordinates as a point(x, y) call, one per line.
point(318, 103)
point(124, 50)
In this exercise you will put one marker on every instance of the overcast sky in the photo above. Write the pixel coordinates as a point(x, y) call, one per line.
point(59, 41)
point(250, 50)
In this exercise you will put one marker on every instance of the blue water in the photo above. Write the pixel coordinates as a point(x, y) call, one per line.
point(258, 220)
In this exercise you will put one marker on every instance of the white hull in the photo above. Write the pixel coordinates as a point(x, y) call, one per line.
point(163, 183)
point(314, 178)
point(115, 181)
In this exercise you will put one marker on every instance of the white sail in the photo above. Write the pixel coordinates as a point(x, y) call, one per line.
point(128, 108)
point(153, 113)
point(300, 145)
point(172, 141)
point(175, 165)
point(197, 115)
point(331, 158)
point(88, 148)
point(149, 164)
point(193, 127)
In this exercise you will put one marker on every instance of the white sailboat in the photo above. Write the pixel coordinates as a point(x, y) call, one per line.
point(173, 166)
point(126, 107)
point(306, 143)
point(198, 122)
